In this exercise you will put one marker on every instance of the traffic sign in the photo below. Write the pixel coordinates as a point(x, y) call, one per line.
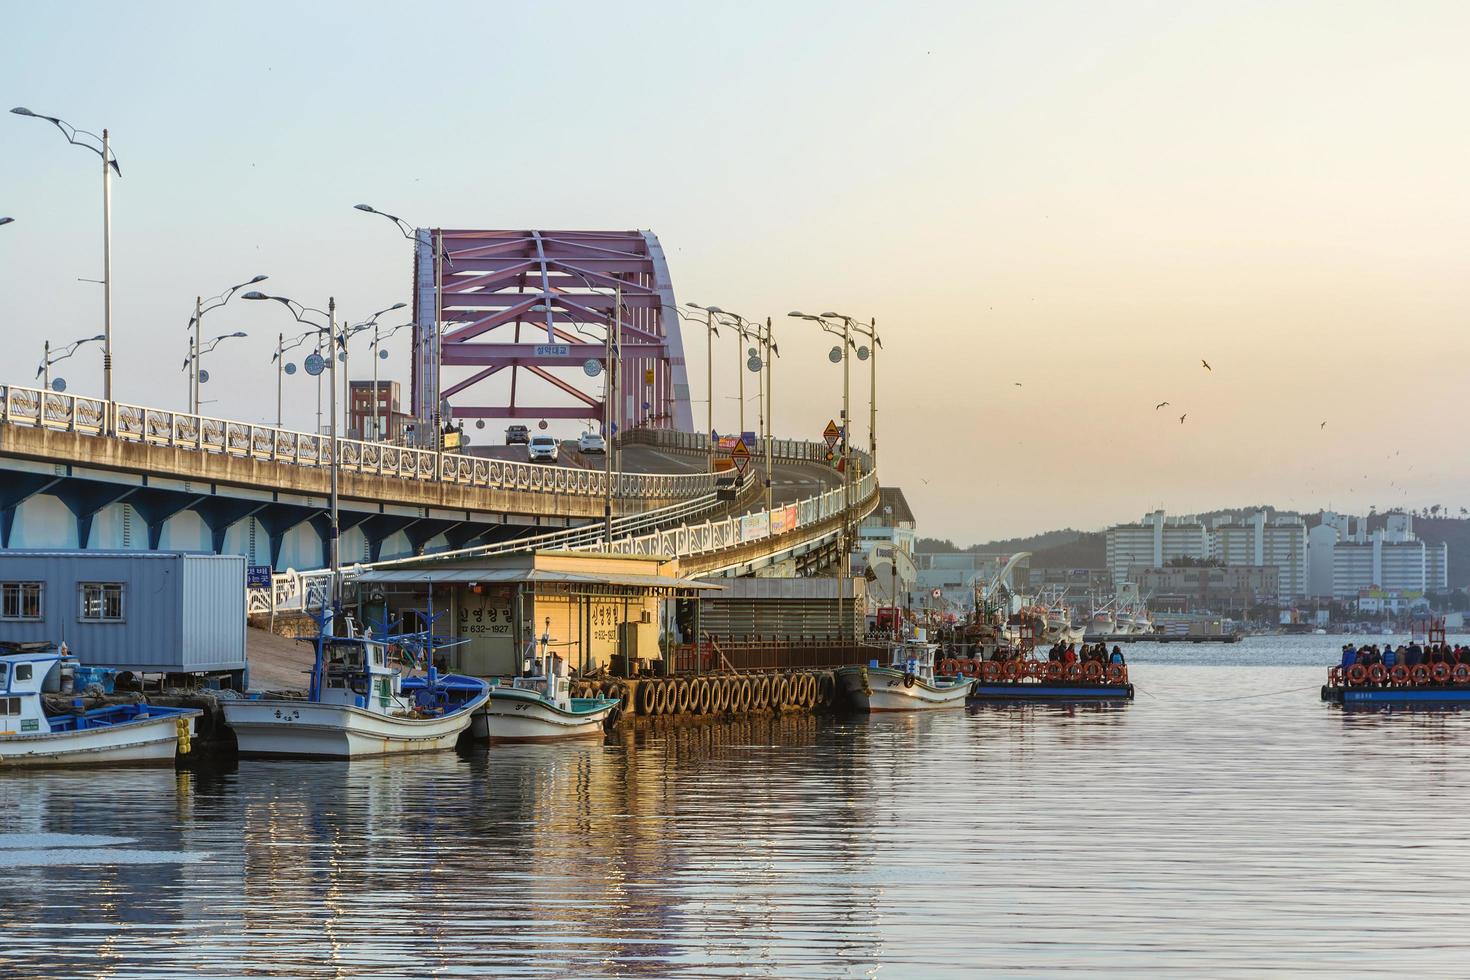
point(648, 376)
point(740, 453)
point(831, 432)
point(314, 364)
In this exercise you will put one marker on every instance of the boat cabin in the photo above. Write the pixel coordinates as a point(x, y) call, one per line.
point(24, 676)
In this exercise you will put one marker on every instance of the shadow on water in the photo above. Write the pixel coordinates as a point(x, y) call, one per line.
point(1226, 822)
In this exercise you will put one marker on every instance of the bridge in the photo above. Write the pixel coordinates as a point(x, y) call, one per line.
point(78, 473)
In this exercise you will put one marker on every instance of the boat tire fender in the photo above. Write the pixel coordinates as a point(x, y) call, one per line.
point(908, 680)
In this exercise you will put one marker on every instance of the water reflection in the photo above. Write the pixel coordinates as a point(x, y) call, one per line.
point(1181, 833)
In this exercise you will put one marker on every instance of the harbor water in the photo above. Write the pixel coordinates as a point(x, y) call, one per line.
point(1226, 822)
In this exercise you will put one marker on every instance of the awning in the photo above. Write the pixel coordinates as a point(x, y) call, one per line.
point(508, 576)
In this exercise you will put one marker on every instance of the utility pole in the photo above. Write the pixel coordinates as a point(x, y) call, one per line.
point(110, 422)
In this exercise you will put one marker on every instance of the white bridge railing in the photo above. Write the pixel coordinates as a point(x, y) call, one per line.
point(160, 427)
point(306, 590)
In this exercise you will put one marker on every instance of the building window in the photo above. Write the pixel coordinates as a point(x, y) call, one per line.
point(102, 602)
point(20, 601)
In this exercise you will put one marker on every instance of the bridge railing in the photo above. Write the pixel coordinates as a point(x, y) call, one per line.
point(160, 427)
point(304, 590)
point(786, 450)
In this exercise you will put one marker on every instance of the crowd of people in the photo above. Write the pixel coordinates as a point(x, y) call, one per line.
point(1409, 655)
point(1067, 653)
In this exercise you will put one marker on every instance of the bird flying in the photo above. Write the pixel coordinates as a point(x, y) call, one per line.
point(1322, 426)
point(1016, 383)
point(1160, 405)
point(1206, 364)
point(1183, 417)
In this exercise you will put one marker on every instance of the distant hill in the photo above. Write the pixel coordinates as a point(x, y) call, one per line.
point(1036, 542)
point(1088, 550)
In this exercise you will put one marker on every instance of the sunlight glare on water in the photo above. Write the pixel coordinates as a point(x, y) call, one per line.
point(1224, 823)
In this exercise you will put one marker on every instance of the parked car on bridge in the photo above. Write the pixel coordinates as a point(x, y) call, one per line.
point(542, 449)
point(591, 442)
point(517, 433)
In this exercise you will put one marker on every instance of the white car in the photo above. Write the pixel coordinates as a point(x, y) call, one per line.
point(542, 449)
point(591, 442)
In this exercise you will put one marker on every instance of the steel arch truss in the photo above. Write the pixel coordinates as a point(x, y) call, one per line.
point(539, 304)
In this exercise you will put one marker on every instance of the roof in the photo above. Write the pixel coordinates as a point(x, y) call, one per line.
point(892, 497)
point(494, 576)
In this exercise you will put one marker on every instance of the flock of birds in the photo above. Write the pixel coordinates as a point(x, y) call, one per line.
point(1204, 364)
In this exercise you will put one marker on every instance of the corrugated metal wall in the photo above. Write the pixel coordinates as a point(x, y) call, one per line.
point(786, 609)
point(152, 636)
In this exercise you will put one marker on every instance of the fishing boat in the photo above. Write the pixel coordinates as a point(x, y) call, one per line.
point(121, 734)
point(539, 707)
point(908, 683)
point(361, 701)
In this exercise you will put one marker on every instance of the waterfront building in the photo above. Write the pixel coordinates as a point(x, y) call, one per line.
point(1346, 558)
point(885, 546)
point(1153, 542)
point(1226, 589)
point(1280, 544)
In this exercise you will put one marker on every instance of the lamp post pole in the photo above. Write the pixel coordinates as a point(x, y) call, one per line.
point(280, 373)
point(107, 286)
point(770, 349)
point(709, 388)
point(607, 436)
point(333, 542)
point(198, 342)
point(377, 427)
point(46, 374)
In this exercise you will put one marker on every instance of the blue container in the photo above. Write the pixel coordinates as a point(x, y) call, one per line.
point(87, 676)
point(873, 663)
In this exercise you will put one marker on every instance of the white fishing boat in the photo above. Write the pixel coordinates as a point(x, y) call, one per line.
point(539, 707)
point(121, 734)
point(908, 683)
point(359, 703)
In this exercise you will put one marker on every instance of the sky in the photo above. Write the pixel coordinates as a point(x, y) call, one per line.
point(1054, 211)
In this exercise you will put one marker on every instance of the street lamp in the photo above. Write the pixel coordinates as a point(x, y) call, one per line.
point(869, 330)
point(440, 257)
point(378, 355)
point(48, 359)
point(846, 333)
point(279, 358)
point(348, 331)
point(196, 354)
point(109, 160)
point(709, 427)
point(6, 221)
point(299, 313)
point(197, 320)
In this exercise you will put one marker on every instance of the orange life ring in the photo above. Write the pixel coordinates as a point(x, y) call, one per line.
point(1376, 674)
point(1073, 671)
point(1091, 671)
point(949, 666)
point(1053, 671)
point(1357, 674)
point(1115, 673)
point(1441, 673)
point(1013, 670)
point(1421, 674)
point(1462, 673)
point(987, 670)
point(1400, 674)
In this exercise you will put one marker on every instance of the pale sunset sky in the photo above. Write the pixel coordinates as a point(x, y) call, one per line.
point(1085, 198)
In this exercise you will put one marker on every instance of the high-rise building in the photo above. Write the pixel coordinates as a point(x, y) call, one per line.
point(1153, 542)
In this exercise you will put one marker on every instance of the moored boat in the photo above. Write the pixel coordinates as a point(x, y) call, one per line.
point(359, 703)
point(540, 708)
point(908, 683)
point(121, 734)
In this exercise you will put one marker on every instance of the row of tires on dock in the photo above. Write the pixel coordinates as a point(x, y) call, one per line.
point(718, 694)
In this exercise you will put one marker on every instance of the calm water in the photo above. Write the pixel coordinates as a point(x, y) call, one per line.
point(1183, 833)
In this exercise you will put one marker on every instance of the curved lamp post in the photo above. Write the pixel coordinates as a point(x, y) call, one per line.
point(329, 328)
point(196, 354)
point(280, 360)
point(48, 359)
point(197, 320)
point(109, 166)
point(440, 257)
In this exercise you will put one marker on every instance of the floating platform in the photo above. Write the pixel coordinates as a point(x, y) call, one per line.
point(1049, 691)
point(1432, 696)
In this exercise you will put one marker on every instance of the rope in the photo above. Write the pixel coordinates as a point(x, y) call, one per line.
point(1240, 697)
